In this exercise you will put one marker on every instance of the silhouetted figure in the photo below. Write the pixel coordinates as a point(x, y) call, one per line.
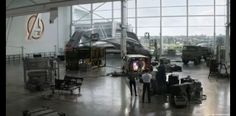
point(132, 77)
point(161, 77)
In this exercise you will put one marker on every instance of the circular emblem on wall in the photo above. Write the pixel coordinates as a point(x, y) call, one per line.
point(35, 27)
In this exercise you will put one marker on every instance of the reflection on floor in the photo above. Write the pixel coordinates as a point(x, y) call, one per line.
point(103, 95)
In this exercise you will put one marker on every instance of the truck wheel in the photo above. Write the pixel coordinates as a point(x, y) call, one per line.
point(185, 61)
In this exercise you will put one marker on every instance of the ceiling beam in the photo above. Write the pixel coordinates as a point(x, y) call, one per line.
point(33, 1)
point(7, 6)
point(45, 7)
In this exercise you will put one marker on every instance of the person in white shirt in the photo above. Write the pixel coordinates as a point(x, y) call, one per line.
point(146, 77)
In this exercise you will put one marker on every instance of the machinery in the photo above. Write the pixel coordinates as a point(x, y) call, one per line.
point(88, 49)
point(84, 55)
point(189, 90)
point(84, 58)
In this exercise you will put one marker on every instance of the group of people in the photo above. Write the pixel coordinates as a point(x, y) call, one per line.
point(145, 78)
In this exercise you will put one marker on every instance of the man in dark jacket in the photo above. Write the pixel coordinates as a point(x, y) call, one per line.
point(161, 77)
point(132, 81)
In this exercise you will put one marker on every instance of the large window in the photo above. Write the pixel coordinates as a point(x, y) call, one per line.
point(201, 17)
point(173, 3)
point(201, 21)
point(201, 10)
point(201, 2)
point(174, 11)
point(148, 22)
point(148, 3)
point(174, 22)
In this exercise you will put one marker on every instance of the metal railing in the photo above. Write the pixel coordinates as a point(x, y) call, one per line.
point(42, 54)
point(13, 58)
point(19, 57)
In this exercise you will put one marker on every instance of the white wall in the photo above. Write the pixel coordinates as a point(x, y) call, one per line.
point(64, 20)
point(54, 34)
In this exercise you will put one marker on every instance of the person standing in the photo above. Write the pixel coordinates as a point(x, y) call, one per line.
point(161, 77)
point(146, 77)
point(132, 82)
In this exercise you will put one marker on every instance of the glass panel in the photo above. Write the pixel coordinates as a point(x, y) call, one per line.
point(206, 10)
point(152, 31)
point(174, 31)
point(117, 5)
point(117, 20)
point(131, 12)
point(173, 2)
point(131, 22)
point(87, 6)
point(80, 13)
point(173, 11)
point(81, 25)
point(220, 21)
point(220, 2)
point(83, 22)
point(171, 21)
point(201, 31)
point(220, 10)
point(105, 14)
point(201, 2)
point(96, 21)
point(201, 21)
point(173, 42)
point(117, 13)
point(220, 31)
point(105, 6)
point(149, 12)
point(150, 22)
point(148, 3)
point(131, 3)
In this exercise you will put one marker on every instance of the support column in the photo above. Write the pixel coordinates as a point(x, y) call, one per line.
point(112, 20)
point(8, 30)
point(91, 18)
point(161, 41)
point(70, 22)
point(187, 41)
point(214, 33)
point(227, 40)
point(22, 52)
point(112, 12)
point(57, 46)
point(124, 24)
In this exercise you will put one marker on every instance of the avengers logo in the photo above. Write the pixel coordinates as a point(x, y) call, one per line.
point(35, 27)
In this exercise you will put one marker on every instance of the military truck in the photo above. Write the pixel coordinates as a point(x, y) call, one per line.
point(195, 53)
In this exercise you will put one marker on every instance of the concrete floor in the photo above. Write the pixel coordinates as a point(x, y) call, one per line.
point(103, 95)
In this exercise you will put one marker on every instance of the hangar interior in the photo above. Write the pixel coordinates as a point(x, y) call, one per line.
point(75, 57)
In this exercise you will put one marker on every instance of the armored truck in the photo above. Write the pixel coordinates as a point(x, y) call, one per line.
point(195, 53)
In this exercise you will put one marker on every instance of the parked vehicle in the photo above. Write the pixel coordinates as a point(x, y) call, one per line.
point(195, 53)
